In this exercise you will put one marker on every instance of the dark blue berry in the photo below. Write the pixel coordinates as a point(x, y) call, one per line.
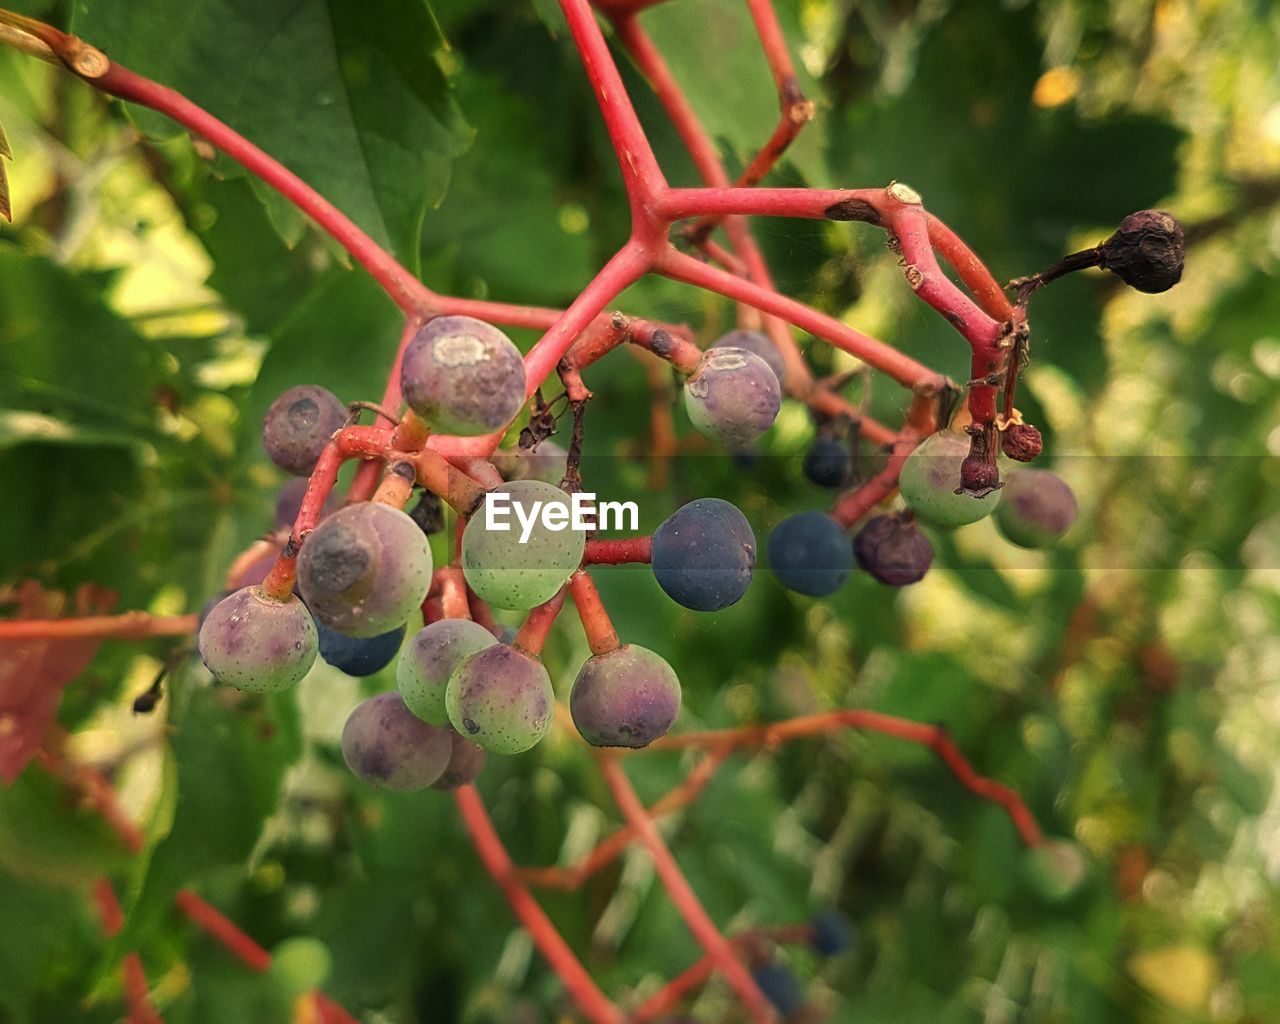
point(832, 932)
point(780, 986)
point(828, 463)
point(810, 554)
point(704, 554)
point(358, 656)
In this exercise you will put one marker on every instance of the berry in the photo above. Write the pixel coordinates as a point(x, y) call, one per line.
point(547, 462)
point(300, 965)
point(1022, 442)
point(429, 659)
point(780, 986)
point(465, 763)
point(365, 569)
point(358, 656)
point(894, 550)
point(256, 643)
point(1146, 251)
point(828, 462)
point(462, 376)
point(388, 747)
point(1038, 508)
point(930, 477)
point(758, 344)
point(298, 426)
point(501, 699)
point(732, 397)
point(810, 553)
point(209, 606)
point(289, 502)
point(704, 554)
point(508, 573)
point(833, 933)
point(625, 698)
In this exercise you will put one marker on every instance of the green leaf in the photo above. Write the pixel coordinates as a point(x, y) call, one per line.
point(351, 96)
point(715, 54)
point(64, 354)
point(247, 748)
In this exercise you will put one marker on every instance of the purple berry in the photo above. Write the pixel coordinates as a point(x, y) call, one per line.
point(465, 763)
point(365, 570)
point(501, 698)
point(1037, 510)
point(732, 397)
point(626, 698)
point(463, 376)
point(430, 658)
point(298, 426)
point(758, 344)
point(256, 643)
point(388, 747)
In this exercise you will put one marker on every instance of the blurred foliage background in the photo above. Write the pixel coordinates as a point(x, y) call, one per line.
point(153, 301)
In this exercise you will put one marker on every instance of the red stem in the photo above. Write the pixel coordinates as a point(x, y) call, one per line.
point(127, 626)
point(571, 878)
point(902, 368)
point(972, 271)
point(932, 736)
point(533, 634)
point(601, 636)
point(909, 224)
point(404, 289)
point(135, 993)
point(670, 996)
point(619, 551)
point(110, 916)
point(857, 503)
point(705, 157)
point(453, 592)
point(682, 894)
point(590, 1000)
point(640, 171)
point(223, 929)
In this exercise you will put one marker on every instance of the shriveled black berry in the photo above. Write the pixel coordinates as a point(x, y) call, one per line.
point(1146, 252)
point(894, 550)
point(1022, 442)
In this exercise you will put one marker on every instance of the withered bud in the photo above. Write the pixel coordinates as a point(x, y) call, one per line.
point(428, 513)
point(1146, 251)
point(979, 474)
point(1022, 442)
point(893, 549)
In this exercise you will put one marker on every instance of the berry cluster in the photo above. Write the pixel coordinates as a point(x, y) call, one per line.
point(365, 569)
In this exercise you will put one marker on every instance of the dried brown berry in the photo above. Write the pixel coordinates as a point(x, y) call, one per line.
point(893, 549)
point(1146, 251)
point(1022, 442)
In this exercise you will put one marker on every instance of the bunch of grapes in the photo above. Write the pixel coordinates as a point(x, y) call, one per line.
point(352, 583)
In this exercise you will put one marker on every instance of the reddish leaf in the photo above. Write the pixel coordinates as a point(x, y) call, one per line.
point(34, 672)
